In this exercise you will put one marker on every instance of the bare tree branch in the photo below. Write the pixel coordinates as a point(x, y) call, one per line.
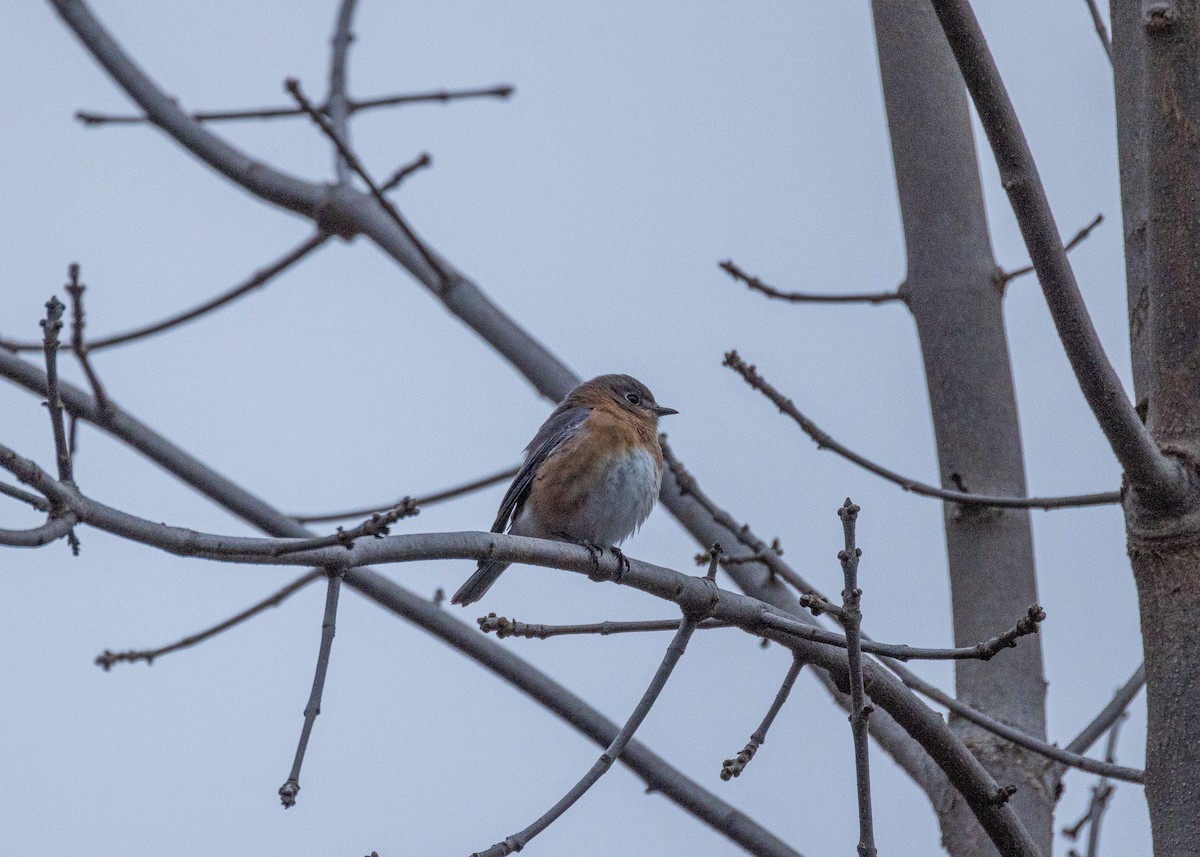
point(704, 516)
point(1009, 276)
point(55, 528)
point(860, 711)
point(960, 766)
point(376, 527)
point(501, 91)
point(351, 160)
point(420, 502)
point(289, 790)
point(762, 552)
point(1021, 739)
point(337, 103)
point(75, 289)
point(503, 627)
point(327, 552)
point(1111, 712)
point(1101, 30)
point(734, 767)
point(51, 325)
point(25, 497)
point(652, 769)
point(440, 95)
point(419, 163)
point(1159, 477)
point(257, 279)
point(1101, 792)
point(747, 613)
point(981, 651)
point(824, 441)
point(350, 211)
point(107, 659)
point(757, 285)
point(674, 652)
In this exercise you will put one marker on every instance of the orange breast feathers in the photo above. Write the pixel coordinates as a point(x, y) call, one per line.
point(581, 464)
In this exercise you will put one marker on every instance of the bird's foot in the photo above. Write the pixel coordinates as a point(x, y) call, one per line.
point(594, 550)
point(622, 562)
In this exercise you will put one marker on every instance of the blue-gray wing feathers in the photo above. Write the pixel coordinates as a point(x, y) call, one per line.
point(558, 428)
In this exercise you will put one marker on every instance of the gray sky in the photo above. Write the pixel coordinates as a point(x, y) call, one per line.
point(645, 143)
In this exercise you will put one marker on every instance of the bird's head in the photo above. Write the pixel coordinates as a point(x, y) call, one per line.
point(625, 391)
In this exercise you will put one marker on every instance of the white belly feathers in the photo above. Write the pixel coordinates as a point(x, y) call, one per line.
point(615, 510)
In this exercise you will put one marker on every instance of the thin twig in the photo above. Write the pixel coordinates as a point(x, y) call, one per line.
point(258, 278)
point(376, 526)
point(75, 289)
point(289, 790)
point(755, 284)
point(860, 711)
point(54, 529)
point(109, 658)
point(440, 95)
point(731, 768)
point(51, 326)
point(984, 651)
point(337, 104)
point(824, 441)
point(674, 652)
point(775, 548)
point(1101, 792)
point(421, 501)
point(1101, 30)
point(1111, 712)
point(25, 497)
point(1016, 736)
point(293, 86)
point(1009, 276)
point(764, 553)
point(421, 162)
point(504, 627)
point(443, 95)
point(1162, 481)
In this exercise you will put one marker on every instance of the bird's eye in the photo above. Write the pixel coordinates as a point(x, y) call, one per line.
point(633, 398)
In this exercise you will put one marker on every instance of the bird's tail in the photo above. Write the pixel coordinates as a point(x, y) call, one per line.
point(479, 582)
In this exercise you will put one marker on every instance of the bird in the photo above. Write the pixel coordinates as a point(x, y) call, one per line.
point(591, 474)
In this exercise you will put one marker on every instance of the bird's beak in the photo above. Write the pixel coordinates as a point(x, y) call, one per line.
point(664, 412)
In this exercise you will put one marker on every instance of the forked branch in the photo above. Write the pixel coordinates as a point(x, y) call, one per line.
point(107, 659)
point(824, 441)
point(1160, 479)
point(437, 96)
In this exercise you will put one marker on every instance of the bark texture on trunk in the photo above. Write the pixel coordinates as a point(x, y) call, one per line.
point(1158, 102)
point(956, 298)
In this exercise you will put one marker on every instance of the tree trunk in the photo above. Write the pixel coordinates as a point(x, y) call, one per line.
point(1159, 57)
point(956, 298)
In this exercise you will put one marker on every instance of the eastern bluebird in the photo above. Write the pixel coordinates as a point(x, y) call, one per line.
point(591, 473)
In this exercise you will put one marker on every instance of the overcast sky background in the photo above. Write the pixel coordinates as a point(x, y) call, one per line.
point(645, 142)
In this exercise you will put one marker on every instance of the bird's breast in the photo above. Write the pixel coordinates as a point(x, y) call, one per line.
point(605, 503)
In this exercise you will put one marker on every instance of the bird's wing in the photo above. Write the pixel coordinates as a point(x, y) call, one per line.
point(558, 428)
